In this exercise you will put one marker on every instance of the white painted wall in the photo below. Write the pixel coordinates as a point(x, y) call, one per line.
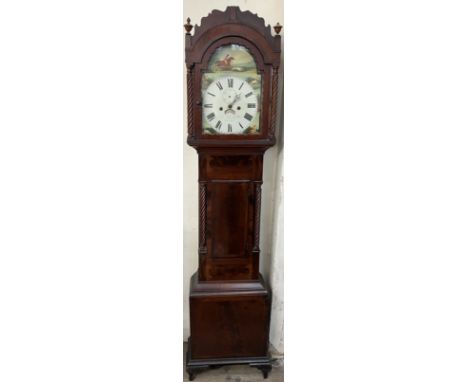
point(276, 260)
point(271, 234)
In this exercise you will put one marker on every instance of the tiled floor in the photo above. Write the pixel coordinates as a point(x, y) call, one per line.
point(237, 373)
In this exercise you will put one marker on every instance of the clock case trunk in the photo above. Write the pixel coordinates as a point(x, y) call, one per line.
point(230, 302)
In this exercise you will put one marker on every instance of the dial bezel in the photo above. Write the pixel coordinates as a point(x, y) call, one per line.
point(228, 108)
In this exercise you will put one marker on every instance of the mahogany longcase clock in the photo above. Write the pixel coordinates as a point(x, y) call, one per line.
point(232, 63)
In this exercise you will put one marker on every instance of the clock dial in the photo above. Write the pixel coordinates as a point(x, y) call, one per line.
point(229, 105)
point(231, 93)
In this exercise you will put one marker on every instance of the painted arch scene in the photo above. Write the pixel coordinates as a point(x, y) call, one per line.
point(231, 92)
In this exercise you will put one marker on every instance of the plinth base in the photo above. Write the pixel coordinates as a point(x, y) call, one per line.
point(264, 364)
point(229, 325)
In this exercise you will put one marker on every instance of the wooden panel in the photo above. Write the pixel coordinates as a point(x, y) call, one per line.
point(229, 184)
point(230, 166)
point(230, 268)
point(228, 218)
point(229, 326)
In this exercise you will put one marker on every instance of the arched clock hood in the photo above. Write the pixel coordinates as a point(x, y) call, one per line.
point(249, 30)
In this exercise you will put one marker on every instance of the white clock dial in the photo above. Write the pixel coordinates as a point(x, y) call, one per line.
point(229, 105)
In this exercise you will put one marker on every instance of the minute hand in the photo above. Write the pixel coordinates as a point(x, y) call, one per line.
point(237, 98)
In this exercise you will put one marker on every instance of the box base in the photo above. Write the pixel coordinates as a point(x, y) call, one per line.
point(193, 366)
point(229, 324)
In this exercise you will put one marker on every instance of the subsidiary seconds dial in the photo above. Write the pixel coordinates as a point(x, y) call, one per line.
point(229, 105)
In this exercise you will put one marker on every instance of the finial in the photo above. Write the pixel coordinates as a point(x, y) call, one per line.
point(188, 27)
point(277, 28)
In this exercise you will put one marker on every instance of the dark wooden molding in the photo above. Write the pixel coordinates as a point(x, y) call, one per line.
point(194, 366)
point(222, 288)
point(274, 104)
point(190, 98)
point(258, 205)
point(233, 15)
point(202, 215)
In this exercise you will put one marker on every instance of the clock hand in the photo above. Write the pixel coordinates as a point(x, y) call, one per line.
point(237, 98)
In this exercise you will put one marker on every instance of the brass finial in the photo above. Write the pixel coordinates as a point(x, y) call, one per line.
point(188, 27)
point(278, 28)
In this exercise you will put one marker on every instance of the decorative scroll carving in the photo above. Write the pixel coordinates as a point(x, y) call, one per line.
point(274, 103)
point(202, 227)
point(234, 15)
point(190, 102)
point(258, 204)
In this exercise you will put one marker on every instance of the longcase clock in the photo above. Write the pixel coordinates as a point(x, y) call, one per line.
point(232, 63)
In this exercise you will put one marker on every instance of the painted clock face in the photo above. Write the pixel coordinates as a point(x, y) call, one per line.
point(230, 105)
point(231, 93)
